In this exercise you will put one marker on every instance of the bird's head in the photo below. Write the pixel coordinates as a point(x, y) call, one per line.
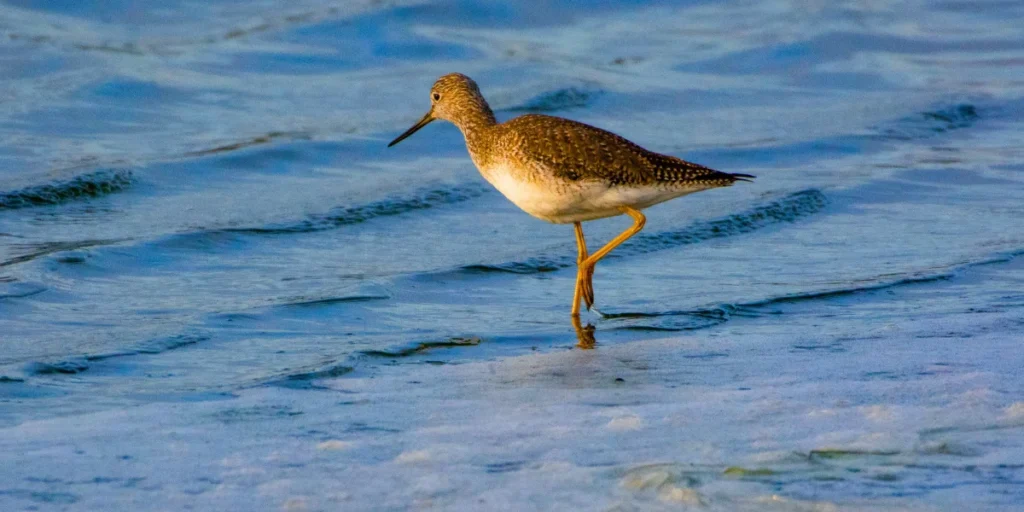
point(454, 98)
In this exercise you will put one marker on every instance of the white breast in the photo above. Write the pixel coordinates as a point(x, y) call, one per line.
point(562, 201)
point(540, 199)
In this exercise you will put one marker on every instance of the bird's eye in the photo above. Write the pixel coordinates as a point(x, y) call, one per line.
point(437, 96)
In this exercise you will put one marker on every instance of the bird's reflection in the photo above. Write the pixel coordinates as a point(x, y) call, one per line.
point(585, 334)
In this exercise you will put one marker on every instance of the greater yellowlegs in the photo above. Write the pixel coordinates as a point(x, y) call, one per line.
point(564, 171)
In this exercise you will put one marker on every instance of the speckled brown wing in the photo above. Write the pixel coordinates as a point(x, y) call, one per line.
point(670, 169)
point(574, 151)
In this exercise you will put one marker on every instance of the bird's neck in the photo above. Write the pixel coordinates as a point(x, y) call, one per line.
point(476, 126)
point(476, 121)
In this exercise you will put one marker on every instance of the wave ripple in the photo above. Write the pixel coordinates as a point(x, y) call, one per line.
point(343, 216)
point(787, 209)
point(93, 184)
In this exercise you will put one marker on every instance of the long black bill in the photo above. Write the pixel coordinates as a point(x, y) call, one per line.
point(423, 122)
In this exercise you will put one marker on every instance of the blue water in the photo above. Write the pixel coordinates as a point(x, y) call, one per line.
point(209, 261)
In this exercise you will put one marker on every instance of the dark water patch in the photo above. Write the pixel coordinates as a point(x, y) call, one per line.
point(926, 124)
point(785, 210)
point(561, 99)
point(504, 467)
point(423, 347)
point(6, 379)
point(327, 301)
point(625, 61)
point(532, 265)
point(247, 143)
point(305, 380)
point(397, 205)
point(72, 257)
point(69, 367)
point(93, 184)
point(950, 118)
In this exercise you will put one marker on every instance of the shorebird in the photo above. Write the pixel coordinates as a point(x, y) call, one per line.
point(564, 171)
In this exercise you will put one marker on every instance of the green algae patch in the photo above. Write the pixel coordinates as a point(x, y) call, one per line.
point(736, 471)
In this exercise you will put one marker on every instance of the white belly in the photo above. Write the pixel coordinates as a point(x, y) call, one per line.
point(562, 201)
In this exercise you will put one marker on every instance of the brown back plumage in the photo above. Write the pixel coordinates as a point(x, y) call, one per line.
point(576, 151)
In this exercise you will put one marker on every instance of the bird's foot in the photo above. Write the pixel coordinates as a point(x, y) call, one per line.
point(587, 283)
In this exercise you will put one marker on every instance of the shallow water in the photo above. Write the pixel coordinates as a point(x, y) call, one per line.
point(219, 289)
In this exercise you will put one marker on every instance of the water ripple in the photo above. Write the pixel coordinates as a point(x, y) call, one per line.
point(81, 364)
point(423, 347)
point(45, 248)
point(305, 379)
point(93, 184)
point(787, 209)
point(247, 143)
point(941, 120)
point(684, 320)
point(343, 216)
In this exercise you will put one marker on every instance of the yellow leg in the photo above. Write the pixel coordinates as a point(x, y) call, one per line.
point(587, 278)
point(584, 281)
point(586, 269)
point(581, 246)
